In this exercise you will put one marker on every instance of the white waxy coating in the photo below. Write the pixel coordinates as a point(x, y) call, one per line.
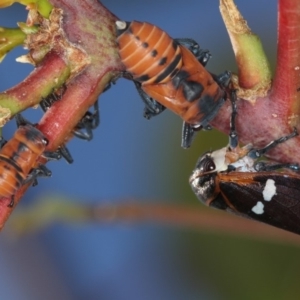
point(269, 190)
point(245, 164)
point(121, 25)
point(258, 208)
point(218, 157)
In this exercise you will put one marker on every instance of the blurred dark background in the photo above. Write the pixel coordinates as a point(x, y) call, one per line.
point(131, 157)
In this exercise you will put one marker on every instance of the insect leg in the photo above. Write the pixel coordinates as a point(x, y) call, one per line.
point(233, 137)
point(153, 108)
point(108, 86)
point(55, 96)
point(189, 132)
point(21, 121)
point(45, 104)
point(96, 116)
point(40, 171)
point(256, 153)
point(65, 153)
point(89, 122)
point(2, 142)
point(263, 166)
point(62, 151)
point(223, 79)
point(84, 124)
point(148, 114)
point(188, 135)
point(55, 155)
point(203, 56)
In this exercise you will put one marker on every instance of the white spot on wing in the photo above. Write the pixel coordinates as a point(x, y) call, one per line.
point(258, 208)
point(269, 190)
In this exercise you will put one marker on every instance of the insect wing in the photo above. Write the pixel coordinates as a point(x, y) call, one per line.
point(269, 197)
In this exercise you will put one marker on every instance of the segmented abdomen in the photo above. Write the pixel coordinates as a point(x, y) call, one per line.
point(148, 53)
point(18, 156)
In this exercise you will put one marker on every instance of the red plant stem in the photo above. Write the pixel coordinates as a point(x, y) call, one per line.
point(89, 26)
point(205, 220)
point(276, 114)
point(58, 122)
point(95, 31)
point(287, 76)
point(40, 82)
point(133, 212)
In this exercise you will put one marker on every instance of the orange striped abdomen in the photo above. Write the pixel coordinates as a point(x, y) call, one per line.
point(192, 93)
point(148, 52)
point(18, 156)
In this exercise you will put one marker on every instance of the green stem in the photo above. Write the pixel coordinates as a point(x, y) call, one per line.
point(9, 39)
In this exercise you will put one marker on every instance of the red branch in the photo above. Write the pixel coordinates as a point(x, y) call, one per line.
point(182, 216)
point(88, 26)
point(39, 82)
point(287, 77)
point(134, 212)
point(274, 116)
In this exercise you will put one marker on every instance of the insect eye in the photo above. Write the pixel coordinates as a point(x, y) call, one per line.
point(207, 165)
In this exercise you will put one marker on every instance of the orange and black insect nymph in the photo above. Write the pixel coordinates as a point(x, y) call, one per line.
point(170, 73)
point(18, 160)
